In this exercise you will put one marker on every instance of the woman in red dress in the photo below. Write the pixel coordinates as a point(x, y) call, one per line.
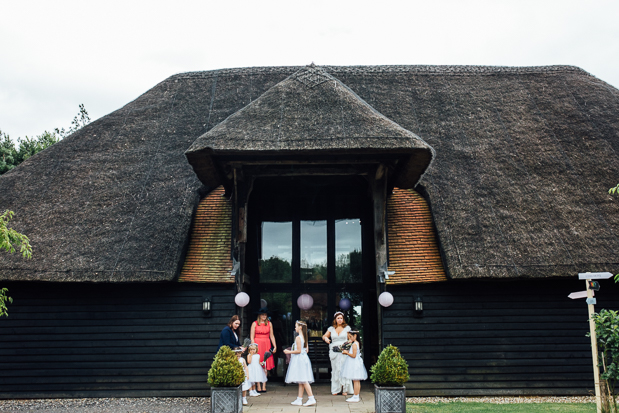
point(262, 334)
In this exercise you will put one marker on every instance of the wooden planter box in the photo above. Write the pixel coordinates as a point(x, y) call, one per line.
point(390, 399)
point(226, 399)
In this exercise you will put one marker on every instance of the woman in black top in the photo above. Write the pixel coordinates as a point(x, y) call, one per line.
point(229, 335)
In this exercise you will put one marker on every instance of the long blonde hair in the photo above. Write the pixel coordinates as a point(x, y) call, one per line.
point(266, 322)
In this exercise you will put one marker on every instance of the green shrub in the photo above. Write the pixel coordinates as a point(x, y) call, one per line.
point(607, 334)
point(390, 369)
point(226, 371)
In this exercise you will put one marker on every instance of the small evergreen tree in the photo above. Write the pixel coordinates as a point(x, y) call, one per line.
point(391, 369)
point(226, 371)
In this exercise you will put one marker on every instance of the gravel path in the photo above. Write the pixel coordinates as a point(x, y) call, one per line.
point(121, 405)
point(203, 404)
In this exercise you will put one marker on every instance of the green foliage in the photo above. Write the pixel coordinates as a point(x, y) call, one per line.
point(607, 334)
point(226, 371)
point(11, 239)
point(3, 300)
point(391, 369)
point(11, 155)
point(348, 267)
point(614, 190)
point(275, 269)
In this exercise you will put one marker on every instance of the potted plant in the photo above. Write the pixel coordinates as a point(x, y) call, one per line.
point(389, 375)
point(225, 377)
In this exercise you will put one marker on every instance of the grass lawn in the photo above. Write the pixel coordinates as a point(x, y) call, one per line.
point(466, 407)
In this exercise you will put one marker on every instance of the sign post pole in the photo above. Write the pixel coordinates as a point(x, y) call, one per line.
point(588, 276)
point(594, 349)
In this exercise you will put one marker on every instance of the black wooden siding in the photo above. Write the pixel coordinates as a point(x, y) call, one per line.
point(495, 338)
point(110, 340)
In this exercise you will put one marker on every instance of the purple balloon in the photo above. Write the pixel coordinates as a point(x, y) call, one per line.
point(345, 304)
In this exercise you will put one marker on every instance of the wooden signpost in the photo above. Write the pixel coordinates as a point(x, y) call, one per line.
point(588, 276)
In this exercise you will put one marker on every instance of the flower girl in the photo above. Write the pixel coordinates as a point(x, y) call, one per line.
point(353, 367)
point(300, 367)
point(246, 385)
point(256, 372)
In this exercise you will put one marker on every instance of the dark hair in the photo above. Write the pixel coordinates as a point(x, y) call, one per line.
point(356, 333)
point(232, 320)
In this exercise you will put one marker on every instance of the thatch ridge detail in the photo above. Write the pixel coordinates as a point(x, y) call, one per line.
point(390, 69)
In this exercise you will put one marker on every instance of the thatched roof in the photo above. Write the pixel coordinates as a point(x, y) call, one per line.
point(309, 113)
point(524, 157)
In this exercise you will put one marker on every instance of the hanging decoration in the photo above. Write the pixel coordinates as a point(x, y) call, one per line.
point(305, 301)
point(385, 299)
point(345, 304)
point(263, 303)
point(241, 299)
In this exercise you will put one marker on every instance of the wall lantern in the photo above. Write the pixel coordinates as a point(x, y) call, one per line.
point(385, 299)
point(206, 306)
point(241, 299)
point(418, 305)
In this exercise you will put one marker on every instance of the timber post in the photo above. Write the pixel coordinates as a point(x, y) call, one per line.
point(594, 350)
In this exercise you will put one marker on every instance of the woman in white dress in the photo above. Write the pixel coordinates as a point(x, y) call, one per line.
point(335, 336)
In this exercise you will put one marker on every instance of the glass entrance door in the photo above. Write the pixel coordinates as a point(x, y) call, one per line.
point(321, 258)
point(308, 236)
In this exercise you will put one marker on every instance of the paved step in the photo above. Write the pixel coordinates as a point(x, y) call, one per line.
point(278, 398)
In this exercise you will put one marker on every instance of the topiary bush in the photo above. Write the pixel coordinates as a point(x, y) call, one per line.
point(226, 371)
point(391, 369)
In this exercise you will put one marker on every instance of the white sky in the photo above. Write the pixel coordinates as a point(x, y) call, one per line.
point(57, 54)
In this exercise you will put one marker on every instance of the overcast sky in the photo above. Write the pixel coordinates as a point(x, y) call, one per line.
point(57, 54)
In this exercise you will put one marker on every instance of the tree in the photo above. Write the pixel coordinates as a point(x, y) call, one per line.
point(10, 241)
point(11, 156)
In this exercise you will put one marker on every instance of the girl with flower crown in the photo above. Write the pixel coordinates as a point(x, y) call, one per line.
point(335, 336)
point(353, 367)
point(300, 367)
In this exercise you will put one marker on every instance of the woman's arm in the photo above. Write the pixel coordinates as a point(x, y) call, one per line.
point(272, 337)
point(326, 337)
point(252, 332)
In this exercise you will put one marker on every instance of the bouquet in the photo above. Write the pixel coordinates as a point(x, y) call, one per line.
point(345, 346)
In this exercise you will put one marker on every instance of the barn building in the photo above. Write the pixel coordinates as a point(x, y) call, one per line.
point(474, 195)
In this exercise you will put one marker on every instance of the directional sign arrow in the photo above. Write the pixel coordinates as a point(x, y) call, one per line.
point(579, 294)
point(594, 275)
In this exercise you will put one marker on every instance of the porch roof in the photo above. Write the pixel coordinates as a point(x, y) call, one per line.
point(310, 113)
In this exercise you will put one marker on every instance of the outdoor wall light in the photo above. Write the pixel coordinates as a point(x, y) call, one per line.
point(418, 305)
point(206, 306)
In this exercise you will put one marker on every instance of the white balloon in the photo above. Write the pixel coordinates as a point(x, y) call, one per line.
point(263, 303)
point(305, 301)
point(385, 299)
point(241, 299)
